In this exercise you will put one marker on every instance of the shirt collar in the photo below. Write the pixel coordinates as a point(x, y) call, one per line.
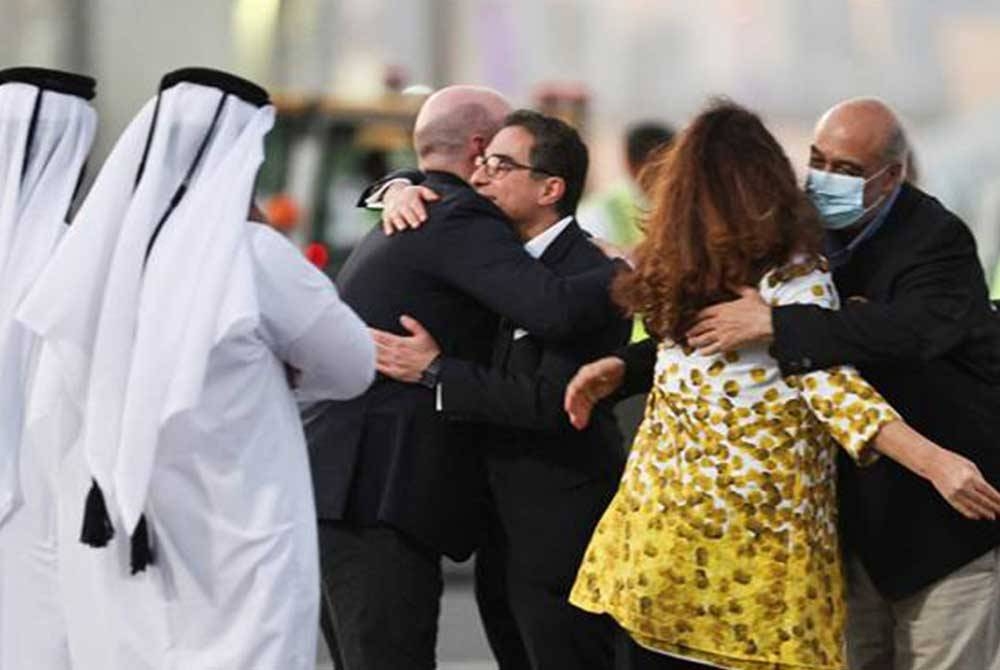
point(839, 253)
point(537, 245)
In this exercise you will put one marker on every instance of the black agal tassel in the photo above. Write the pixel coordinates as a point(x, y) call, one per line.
point(97, 529)
point(142, 547)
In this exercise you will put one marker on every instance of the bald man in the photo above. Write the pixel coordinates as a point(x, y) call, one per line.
point(396, 485)
point(916, 320)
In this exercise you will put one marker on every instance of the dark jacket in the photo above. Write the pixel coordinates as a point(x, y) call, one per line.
point(917, 322)
point(549, 482)
point(387, 457)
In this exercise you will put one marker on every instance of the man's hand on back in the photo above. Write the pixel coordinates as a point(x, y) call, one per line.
point(404, 357)
point(591, 384)
point(403, 207)
point(729, 326)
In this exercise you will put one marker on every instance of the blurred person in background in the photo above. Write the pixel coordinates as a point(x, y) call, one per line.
point(615, 213)
point(923, 580)
point(548, 484)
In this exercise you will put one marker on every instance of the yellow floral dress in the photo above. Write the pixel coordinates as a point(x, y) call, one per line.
point(720, 545)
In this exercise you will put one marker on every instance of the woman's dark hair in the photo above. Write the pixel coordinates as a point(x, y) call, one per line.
point(725, 208)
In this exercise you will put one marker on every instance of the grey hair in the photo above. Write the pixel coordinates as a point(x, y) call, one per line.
point(897, 147)
point(449, 134)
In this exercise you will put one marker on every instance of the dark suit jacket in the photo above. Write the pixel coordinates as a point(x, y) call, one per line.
point(387, 457)
point(928, 339)
point(549, 482)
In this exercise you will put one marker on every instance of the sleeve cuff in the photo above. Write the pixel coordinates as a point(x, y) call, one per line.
point(785, 347)
point(453, 372)
point(860, 445)
point(640, 365)
point(851, 410)
point(374, 201)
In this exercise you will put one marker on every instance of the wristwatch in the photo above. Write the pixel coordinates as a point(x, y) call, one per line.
point(429, 377)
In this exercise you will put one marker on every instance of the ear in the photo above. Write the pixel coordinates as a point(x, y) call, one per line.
point(896, 175)
point(478, 145)
point(553, 190)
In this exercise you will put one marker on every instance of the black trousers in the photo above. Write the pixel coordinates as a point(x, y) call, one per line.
point(493, 601)
point(530, 623)
point(326, 627)
point(384, 595)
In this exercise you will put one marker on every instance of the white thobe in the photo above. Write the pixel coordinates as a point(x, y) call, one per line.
point(37, 189)
point(235, 585)
point(32, 629)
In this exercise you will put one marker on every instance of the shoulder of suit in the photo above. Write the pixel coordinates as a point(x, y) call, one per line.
point(587, 249)
point(928, 222)
point(584, 247)
point(461, 203)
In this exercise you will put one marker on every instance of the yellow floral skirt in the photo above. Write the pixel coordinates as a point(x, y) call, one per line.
point(723, 605)
point(707, 575)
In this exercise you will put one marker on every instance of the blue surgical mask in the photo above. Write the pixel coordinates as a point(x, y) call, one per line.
point(840, 198)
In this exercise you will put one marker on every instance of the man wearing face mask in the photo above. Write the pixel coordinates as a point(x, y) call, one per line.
point(854, 204)
point(916, 320)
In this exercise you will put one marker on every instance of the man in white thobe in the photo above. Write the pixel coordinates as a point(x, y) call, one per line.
point(46, 131)
point(176, 346)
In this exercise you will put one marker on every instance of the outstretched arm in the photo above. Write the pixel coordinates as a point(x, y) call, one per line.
point(628, 372)
point(956, 478)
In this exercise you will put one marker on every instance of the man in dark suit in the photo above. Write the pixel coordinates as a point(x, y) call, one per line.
point(397, 486)
point(923, 581)
point(548, 484)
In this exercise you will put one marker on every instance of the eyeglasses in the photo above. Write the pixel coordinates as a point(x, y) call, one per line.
point(496, 166)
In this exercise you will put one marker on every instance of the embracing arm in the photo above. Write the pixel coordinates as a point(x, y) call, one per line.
point(640, 362)
point(627, 372)
point(372, 195)
point(936, 302)
point(467, 391)
point(532, 401)
point(486, 260)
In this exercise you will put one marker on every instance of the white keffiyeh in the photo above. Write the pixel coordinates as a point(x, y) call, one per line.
point(36, 190)
point(132, 337)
